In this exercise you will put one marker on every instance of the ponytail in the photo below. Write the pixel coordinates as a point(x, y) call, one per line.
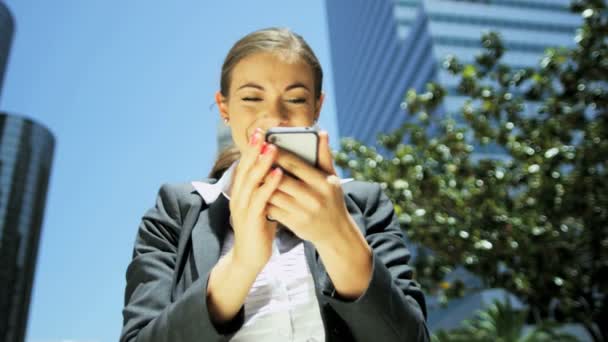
point(225, 158)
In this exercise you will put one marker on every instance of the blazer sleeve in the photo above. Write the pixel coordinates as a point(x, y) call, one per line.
point(149, 315)
point(392, 308)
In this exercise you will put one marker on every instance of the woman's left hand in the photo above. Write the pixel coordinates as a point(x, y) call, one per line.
point(311, 205)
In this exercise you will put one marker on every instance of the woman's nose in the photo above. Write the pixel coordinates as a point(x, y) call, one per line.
point(274, 120)
point(266, 122)
point(279, 118)
point(276, 110)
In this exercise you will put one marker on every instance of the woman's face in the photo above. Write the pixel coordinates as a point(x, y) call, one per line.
point(268, 90)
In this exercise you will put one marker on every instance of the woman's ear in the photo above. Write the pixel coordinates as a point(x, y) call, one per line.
point(318, 105)
point(220, 100)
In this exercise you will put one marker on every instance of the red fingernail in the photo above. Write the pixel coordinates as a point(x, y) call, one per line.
point(276, 172)
point(265, 148)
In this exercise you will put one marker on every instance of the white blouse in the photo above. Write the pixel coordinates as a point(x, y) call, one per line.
point(282, 303)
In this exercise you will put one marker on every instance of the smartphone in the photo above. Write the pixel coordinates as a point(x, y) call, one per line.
point(301, 141)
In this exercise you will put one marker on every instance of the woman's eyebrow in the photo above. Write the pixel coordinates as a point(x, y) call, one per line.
point(297, 85)
point(259, 87)
point(251, 85)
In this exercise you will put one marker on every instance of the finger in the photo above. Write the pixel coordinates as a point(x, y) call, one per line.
point(286, 202)
point(297, 189)
point(256, 174)
point(325, 159)
point(300, 168)
point(279, 214)
point(262, 195)
point(249, 157)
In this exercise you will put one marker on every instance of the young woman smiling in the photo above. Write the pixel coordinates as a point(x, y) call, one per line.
point(331, 265)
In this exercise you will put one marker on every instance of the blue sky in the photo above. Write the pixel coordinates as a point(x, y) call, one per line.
point(126, 87)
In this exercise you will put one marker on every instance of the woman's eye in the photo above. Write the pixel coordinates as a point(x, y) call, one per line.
point(297, 100)
point(254, 99)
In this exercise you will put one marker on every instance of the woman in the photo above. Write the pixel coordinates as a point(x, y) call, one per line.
point(209, 266)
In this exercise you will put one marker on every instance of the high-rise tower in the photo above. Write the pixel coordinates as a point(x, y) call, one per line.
point(26, 153)
point(382, 48)
point(7, 26)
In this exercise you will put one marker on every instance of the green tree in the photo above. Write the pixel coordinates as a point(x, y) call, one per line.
point(501, 323)
point(531, 218)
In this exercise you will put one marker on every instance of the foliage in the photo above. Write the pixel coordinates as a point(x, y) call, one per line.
point(514, 185)
point(501, 323)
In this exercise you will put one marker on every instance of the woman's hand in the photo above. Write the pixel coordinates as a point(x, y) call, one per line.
point(312, 206)
point(253, 184)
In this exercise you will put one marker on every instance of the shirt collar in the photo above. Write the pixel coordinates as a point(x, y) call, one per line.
point(210, 192)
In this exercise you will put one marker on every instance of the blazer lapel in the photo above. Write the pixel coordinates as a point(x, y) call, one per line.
point(208, 234)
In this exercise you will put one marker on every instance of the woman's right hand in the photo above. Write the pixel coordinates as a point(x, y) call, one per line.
point(252, 186)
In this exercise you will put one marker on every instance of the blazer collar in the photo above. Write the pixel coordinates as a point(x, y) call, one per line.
point(208, 234)
point(211, 191)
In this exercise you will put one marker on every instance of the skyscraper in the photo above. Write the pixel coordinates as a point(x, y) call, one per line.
point(6, 36)
point(380, 49)
point(26, 153)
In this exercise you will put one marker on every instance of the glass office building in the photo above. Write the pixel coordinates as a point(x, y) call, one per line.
point(382, 48)
point(7, 26)
point(26, 153)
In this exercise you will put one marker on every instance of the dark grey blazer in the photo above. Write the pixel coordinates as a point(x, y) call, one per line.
point(179, 241)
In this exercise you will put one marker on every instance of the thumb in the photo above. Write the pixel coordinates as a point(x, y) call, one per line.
point(325, 159)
